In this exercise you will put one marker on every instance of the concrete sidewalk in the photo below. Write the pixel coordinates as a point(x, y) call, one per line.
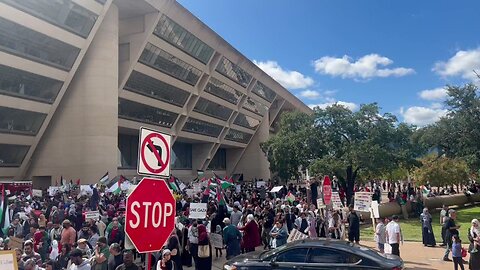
point(414, 254)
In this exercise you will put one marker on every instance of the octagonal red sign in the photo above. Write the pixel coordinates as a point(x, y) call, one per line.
point(150, 215)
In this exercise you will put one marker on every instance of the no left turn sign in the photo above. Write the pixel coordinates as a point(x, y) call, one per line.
point(153, 153)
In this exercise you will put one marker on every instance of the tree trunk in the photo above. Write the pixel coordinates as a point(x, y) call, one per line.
point(350, 183)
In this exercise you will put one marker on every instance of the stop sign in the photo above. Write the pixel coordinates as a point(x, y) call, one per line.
point(327, 190)
point(150, 215)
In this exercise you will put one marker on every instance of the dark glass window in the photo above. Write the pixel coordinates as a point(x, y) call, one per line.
point(24, 42)
point(146, 85)
point(296, 255)
point(264, 92)
point(233, 72)
point(128, 147)
point(169, 64)
point(181, 157)
point(246, 121)
point(140, 112)
point(62, 13)
point(255, 106)
point(238, 136)
point(219, 161)
point(201, 127)
point(223, 91)
point(12, 155)
point(212, 109)
point(325, 255)
point(20, 83)
point(20, 121)
point(176, 35)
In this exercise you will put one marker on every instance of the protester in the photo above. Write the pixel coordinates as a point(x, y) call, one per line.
point(232, 238)
point(251, 236)
point(173, 244)
point(474, 247)
point(204, 249)
point(278, 235)
point(116, 257)
point(353, 225)
point(166, 263)
point(127, 262)
point(78, 262)
point(380, 235)
point(443, 219)
point(394, 237)
point(428, 237)
point(451, 230)
point(457, 252)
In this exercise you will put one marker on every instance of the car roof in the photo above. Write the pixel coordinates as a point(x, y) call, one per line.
point(321, 242)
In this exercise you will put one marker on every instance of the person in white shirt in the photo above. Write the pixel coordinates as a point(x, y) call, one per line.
point(380, 235)
point(394, 235)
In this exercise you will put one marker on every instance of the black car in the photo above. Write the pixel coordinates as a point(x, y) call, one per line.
point(316, 254)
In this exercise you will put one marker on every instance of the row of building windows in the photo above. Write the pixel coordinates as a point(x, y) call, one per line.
point(255, 106)
point(176, 35)
point(146, 85)
point(212, 109)
point(12, 155)
point(219, 161)
point(264, 92)
point(24, 84)
point(35, 46)
point(143, 113)
point(223, 91)
point(20, 121)
point(169, 64)
point(246, 121)
point(202, 127)
point(233, 72)
point(238, 136)
point(63, 13)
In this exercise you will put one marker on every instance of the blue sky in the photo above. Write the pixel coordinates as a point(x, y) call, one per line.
point(397, 53)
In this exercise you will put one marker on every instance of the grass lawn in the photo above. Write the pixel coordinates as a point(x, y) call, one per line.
point(412, 228)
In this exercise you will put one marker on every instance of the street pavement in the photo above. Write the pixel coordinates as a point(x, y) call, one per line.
point(414, 254)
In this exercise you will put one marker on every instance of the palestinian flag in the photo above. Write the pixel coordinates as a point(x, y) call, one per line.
point(220, 197)
point(200, 173)
point(225, 184)
point(116, 188)
point(212, 187)
point(172, 182)
point(425, 191)
point(4, 218)
point(104, 180)
point(290, 197)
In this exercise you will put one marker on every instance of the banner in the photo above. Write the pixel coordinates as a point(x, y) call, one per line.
point(198, 210)
point(8, 260)
point(336, 202)
point(296, 235)
point(363, 200)
point(216, 240)
point(95, 215)
point(37, 192)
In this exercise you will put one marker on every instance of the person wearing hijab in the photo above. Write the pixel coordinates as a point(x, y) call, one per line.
point(474, 247)
point(166, 263)
point(203, 239)
point(231, 238)
point(173, 244)
point(251, 237)
point(428, 237)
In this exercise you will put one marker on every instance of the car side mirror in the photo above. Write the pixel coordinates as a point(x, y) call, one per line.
point(273, 262)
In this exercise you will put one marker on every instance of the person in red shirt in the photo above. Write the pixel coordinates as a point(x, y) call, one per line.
point(41, 242)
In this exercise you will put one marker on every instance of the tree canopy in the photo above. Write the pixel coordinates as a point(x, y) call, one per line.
point(441, 170)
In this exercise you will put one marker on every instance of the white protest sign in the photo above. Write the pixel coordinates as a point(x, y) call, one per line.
point(37, 192)
point(190, 192)
point(336, 202)
point(52, 191)
point(238, 188)
point(198, 210)
point(296, 235)
point(197, 187)
point(182, 186)
point(216, 240)
point(92, 215)
point(320, 204)
point(276, 189)
point(8, 261)
point(375, 211)
point(363, 200)
point(261, 184)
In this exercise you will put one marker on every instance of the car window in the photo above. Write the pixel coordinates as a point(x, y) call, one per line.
point(325, 255)
point(297, 255)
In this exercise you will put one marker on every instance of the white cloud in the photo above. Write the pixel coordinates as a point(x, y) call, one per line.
point(349, 105)
point(310, 94)
point(422, 116)
point(461, 64)
point(439, 93)
point(287, 78)
point(367, 67)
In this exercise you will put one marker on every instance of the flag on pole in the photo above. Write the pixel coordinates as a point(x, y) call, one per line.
point(104, 179)
point(220, 197)
point(290, 197)
point(225, 184)
point(4, 217)
point(116, 188)
point(173, 183)
point(200, 173)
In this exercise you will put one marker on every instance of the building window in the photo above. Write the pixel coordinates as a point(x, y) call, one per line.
point(128, 147)
point(62, 13)
point(148, 86)
point(23, 84)
point(201, 127)
point(233, 72)
point(238, 136)
point(20, 121)
point(223, 91)
point(101, 1)
point(169, 64)
point(212, 109)
point(12, 155)
point(246, 121)
point(264, 92)
point(181, 156)
point(176, 35)
point(143, 113)
point(255, 106)
point(219, 161)
point(24, 42)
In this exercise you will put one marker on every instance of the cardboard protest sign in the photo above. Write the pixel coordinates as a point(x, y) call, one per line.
point(216, 240)
point(8, 260)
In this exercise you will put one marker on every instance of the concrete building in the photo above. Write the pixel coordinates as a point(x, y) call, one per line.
point(78, 78)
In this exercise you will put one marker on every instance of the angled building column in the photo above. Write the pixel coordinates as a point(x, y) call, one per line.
point(81, 141)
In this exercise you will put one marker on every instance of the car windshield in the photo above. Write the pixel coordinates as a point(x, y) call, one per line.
point(269, 253)
point(364, 249)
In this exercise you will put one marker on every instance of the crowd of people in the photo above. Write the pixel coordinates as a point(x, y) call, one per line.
point(55, 234)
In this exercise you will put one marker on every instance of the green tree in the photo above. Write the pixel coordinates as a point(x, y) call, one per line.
point(440, 171)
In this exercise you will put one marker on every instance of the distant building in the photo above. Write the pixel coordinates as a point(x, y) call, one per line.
point(78, 78)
